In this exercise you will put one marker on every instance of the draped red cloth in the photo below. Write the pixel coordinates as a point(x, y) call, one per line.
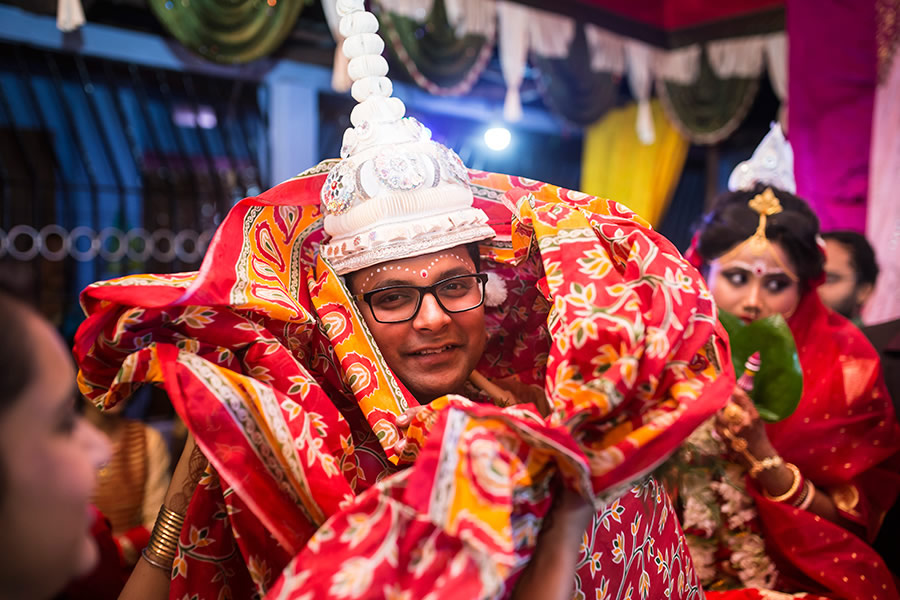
point(839, 437)
point(843, 430)
point(266, 358)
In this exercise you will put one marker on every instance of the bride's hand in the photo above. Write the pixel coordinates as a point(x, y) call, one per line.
point(741, 421)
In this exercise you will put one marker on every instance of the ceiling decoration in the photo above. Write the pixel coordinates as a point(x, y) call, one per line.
point(228, 31)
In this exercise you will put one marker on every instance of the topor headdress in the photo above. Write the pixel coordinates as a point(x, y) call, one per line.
point(396, 193)
point(772, 164)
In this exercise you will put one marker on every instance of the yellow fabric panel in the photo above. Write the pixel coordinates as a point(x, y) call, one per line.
point(615, 164)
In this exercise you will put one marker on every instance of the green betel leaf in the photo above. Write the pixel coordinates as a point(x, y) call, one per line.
point(779, 384)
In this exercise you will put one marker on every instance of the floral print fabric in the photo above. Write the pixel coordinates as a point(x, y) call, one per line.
point(265, 356)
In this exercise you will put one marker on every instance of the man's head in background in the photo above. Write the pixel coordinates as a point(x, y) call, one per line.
point(850, 272)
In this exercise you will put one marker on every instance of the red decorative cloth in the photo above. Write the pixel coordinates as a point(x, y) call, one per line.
point(266, 358)
point(839, 437)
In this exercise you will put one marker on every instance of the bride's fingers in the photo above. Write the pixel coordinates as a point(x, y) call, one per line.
point(745, 402)
point(734, 416)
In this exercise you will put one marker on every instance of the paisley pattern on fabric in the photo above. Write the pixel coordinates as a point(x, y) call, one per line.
point(265, 356)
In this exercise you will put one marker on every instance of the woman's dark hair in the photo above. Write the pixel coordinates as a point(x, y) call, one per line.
point(16, 352)
point(795, 228)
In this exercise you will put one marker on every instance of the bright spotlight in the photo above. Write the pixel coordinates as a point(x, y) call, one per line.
point(497, 138)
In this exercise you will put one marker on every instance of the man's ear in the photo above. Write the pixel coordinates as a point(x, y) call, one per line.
point(863, 292)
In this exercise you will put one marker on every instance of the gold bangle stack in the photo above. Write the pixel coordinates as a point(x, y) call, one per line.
point(160, 551)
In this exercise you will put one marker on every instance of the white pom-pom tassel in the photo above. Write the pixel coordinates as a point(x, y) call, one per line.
point(69, 15)
point(494, 290)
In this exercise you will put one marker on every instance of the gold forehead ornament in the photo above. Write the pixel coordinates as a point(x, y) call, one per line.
point(765, 204)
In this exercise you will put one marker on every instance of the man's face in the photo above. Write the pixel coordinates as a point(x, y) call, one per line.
point(840, 291)
point(434, 352)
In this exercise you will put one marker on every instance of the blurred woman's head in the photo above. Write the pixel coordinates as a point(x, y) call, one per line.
point(758, 280)
point(48, 460)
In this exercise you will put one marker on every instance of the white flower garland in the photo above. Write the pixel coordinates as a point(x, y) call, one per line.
point(718, 512)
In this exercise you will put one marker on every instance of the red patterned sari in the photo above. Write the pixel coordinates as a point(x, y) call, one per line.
point(839, 437)
point(270, 365)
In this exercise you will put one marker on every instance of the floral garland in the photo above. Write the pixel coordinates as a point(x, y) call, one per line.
point(718, 515)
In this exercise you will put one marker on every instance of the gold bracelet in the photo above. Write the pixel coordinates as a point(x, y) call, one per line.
point(163, 545)
point(795, 485)
point(159, 564)
point(769, 462)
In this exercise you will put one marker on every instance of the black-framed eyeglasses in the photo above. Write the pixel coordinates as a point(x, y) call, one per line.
point(399, 303)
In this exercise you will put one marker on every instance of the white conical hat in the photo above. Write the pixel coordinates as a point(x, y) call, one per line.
point(772, 163)
point(396, 193)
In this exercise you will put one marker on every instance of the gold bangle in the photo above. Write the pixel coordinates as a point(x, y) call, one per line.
point(769, 462)
point(163, 545)
point(165, 565)
point(795, 485)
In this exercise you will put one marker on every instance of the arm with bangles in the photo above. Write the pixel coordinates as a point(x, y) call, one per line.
point(151, 581)
point(741, 427)
point(156, 484)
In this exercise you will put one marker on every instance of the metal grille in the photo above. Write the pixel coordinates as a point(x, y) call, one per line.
point(109, 168)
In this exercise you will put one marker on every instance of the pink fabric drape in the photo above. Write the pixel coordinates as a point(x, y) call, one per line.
point(832, 66)
point(883, 222)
